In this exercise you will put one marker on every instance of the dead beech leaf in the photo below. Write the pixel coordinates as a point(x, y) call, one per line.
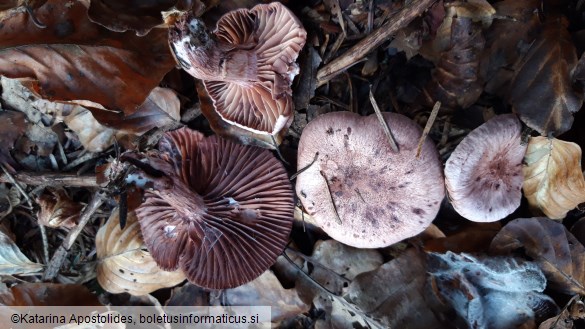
point(394, 293)
point(472, 237)
point(556, 251)
point(74, 59)
point(48, 294)
point(553, 180)
point(12, 260)
point(265, 290)
point(545, 71)
point(57, 209)
point(124, 264)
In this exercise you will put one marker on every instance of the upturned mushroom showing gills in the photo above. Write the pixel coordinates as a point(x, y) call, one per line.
point(219, 211)
point(358, 189)
point(483, 175)
point(247, 64)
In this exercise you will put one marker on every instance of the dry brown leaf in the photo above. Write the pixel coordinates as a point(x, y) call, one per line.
point(394, 293)
point(48, 294)
point(124, 264)
point(12, 260)
point(334, 264)
point(553, 180)
point(265, 290)
point(57, 209)
point(74, 59)
point(556, 251)
point(472, 237)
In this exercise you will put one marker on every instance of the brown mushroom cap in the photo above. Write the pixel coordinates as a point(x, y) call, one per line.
point(484, 174)
point(381, 197)
point(249, 58)
point(222, 212)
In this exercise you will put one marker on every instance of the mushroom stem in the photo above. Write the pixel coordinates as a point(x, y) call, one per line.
point(183, 199)
point(384, 124)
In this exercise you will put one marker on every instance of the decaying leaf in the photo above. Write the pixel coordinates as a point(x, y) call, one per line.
point(553, 180)
point(495, 293)
point(48, 294)
point(74, 59)
point(455, 81)
point(265, 290)
point(57, 209)
point(472, 237)
point(99, 130)
point(575, 310)
point(556, 251)
point(124, 264)
point(394, 293)
point(12, 260)
point(334, 264)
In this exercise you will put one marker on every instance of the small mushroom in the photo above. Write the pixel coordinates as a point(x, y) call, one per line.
point(361, 192)
point(219, 211)
point(247, 64)
point(483, 175)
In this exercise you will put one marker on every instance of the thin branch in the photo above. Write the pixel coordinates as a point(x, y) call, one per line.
point(428, 127)
point(11, 179)
point(303, 169)
point(51, 179)
point(398, 21)
point(331, 198)
point(59, 257)
point(384, 124)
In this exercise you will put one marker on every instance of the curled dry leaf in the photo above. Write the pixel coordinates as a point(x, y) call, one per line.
point(12, 260)
point(556, 251)
point(57, 209)
point(265, 290)
point(98, 130)
point(74, 59)
point(394, 293)
point(553, 180)
point(48, 294)
point(495, 293)
point(124, 265)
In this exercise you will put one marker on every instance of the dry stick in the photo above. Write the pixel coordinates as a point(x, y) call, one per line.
point(59, 257)
point(11, 179)
point(331, 198)
point(384, 124)
point(374, 40)
point(50, 178)
point(45, 242)
point(428, 127)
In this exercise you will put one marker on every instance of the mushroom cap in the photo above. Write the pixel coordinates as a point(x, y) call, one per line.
point(245, 219)
point(250, 59)
point(381, 197)
point(483, 175)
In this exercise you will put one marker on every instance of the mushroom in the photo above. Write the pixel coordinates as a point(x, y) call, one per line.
point(221, 212)
point(247, 64)
point(361, 192)
point(483, 175)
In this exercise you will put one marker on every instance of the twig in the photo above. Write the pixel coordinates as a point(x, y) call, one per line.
point(305, 168)
point(372, 41)
point(384, 124)
point(331, 198)
point(428, 127)
point(10, 179)
point(45, 242)
point(50, 178)
point(59, 257)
